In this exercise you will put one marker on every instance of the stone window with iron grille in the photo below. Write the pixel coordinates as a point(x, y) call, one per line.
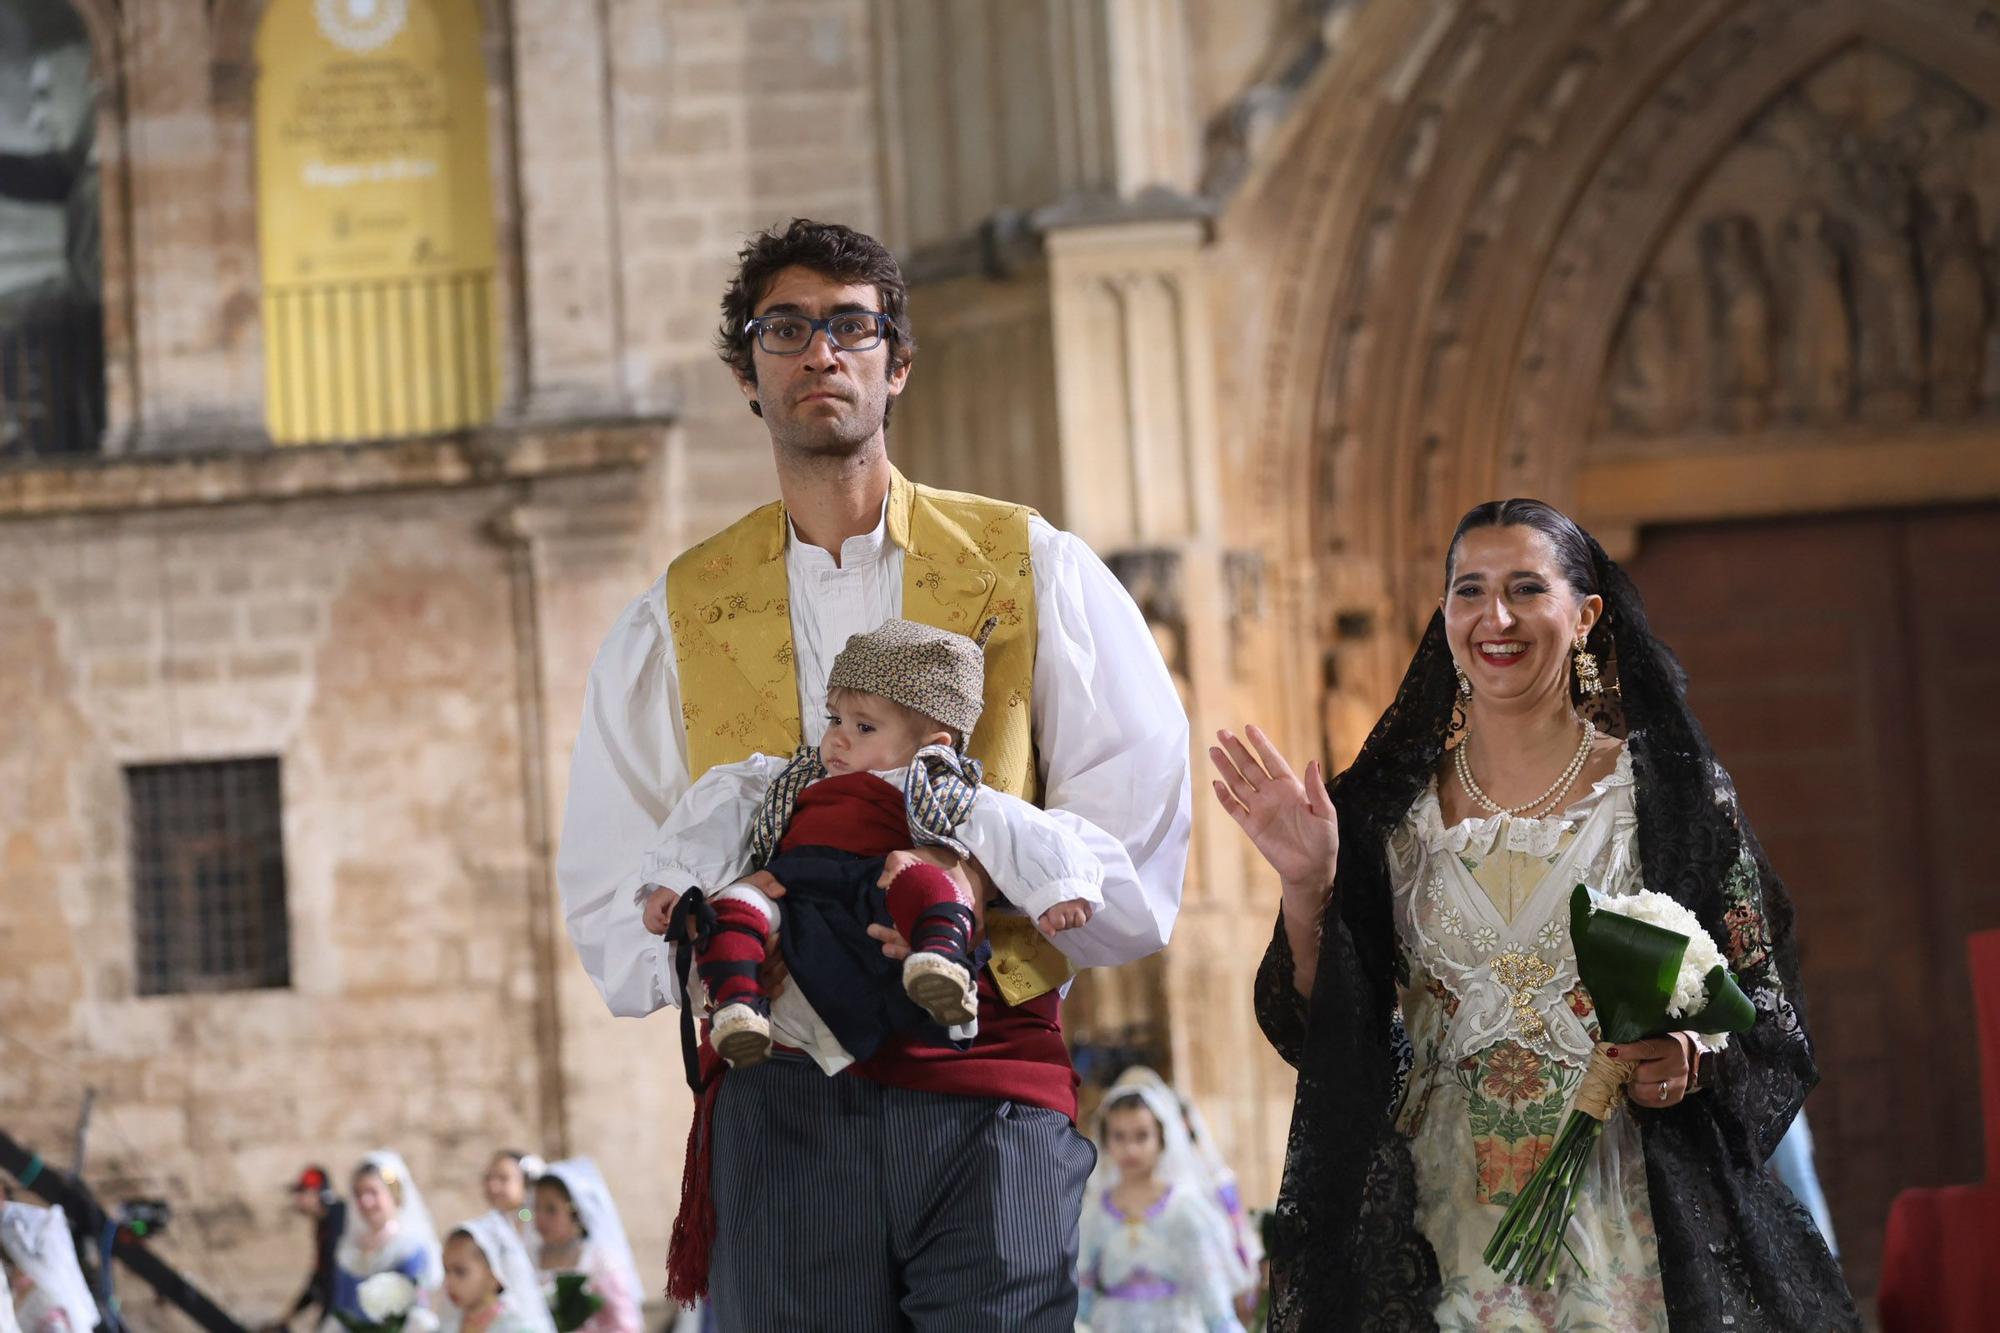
point(208, 877)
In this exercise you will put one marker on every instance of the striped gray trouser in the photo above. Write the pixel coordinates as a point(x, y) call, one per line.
point(847, 1206)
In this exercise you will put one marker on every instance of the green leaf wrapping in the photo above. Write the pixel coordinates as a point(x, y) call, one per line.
point(1628, 966)
point(1728, 1008)
point(572, 1305)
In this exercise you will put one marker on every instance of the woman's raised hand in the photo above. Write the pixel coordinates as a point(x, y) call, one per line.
point(1291, 821)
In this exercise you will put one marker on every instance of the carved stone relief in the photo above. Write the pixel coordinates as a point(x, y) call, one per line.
point(1243, 592)
point(1835, 267)
point(1741, 321)
point(1649, 381)
point(1154, 579)
point(1990, 393)
point(1954, 263)
point(1818, 354)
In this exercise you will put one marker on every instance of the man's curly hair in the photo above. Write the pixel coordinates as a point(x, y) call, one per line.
point(840, 253)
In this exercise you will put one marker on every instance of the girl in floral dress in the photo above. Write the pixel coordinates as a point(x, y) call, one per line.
point(1156, 1253)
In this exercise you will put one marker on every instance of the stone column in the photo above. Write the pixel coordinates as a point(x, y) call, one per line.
point(1135, 393)
point(996, 109)
point(569, 241)
point(580, 548)
point(1140, 461)
point(1068, 360)
point(1148, 95)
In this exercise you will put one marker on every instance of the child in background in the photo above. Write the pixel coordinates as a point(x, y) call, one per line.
point(1157, 1255)
point(46, 1283)
point(581, 1232)
point(490, 1281)
point(389, 1230)
point(7, 1323)
point(505, 1185)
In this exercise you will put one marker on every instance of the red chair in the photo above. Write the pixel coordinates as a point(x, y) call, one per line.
point(1941, 1253)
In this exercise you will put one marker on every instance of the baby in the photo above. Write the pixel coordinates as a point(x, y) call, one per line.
point(866, 829)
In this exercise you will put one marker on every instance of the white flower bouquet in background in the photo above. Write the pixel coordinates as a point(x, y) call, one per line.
point(389, 1300)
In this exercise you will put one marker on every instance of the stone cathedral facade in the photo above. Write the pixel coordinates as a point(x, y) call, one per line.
point(1255, 295)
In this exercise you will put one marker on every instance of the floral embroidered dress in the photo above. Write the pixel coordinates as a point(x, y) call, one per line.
point(1501, 1031)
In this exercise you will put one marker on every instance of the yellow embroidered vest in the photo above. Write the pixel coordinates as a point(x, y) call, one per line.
point(965, 558)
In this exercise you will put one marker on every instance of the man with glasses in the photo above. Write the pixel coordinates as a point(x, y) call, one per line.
point(927, 1187)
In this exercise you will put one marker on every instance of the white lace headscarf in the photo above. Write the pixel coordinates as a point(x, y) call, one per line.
point(416, 1232)
point(597, 1214)
point(1223, 1189)
point(37, 1242)
point(520, 1286)
point(1182, 1166)
point(1179, 1165)
point(7, 1322)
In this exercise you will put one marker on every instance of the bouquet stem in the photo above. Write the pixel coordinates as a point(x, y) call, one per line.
point(1534, 1230)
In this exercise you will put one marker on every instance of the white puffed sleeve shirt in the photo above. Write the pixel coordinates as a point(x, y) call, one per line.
point(1110, 732)
point(1034, 860)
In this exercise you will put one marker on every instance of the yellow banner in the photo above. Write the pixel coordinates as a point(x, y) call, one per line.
point(375, 219)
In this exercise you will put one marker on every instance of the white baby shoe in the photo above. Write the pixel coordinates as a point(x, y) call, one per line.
point(741, 1035)
point(942, 987)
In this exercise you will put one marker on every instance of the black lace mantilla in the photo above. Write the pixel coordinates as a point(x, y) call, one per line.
point(1736, 1250)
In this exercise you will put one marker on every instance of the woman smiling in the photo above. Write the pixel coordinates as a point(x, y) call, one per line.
point(1423, 982)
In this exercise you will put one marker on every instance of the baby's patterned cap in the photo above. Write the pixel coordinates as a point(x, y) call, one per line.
point(934, 671)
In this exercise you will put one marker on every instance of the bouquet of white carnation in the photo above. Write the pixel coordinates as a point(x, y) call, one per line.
point(1650, 969)
point(389, 1300)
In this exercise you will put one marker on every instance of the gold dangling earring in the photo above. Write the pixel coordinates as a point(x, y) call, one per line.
point(1464, 682)
point(1587, 679)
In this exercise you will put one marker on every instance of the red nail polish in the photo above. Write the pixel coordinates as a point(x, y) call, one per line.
point(1612, 1051)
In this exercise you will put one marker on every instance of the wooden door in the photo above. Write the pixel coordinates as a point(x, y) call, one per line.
point(1846, 669)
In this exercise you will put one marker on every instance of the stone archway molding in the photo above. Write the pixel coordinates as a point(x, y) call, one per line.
point(1450, 230)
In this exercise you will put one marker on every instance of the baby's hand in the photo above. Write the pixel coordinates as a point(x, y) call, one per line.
point(659, 907)
point(1064, 916)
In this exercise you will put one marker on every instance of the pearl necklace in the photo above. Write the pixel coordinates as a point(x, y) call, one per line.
point(1557, 789)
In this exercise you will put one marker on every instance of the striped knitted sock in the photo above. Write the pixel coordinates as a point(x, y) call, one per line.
point(728, 966)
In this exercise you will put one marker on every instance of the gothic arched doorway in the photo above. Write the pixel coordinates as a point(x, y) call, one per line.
point(1663, 265)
